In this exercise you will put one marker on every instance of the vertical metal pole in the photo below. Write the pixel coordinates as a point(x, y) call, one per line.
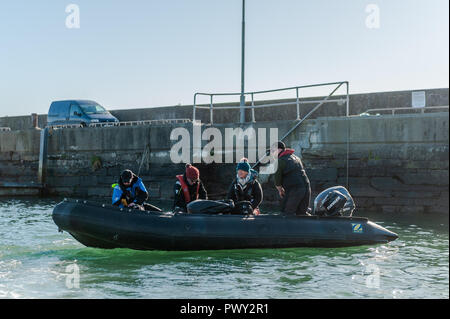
point(242, 109)
point(253, 108)
point(348, 100)
point(42, 170)
point(348, 135)
point(211, 115)
point(195, 106)
point(298, 106)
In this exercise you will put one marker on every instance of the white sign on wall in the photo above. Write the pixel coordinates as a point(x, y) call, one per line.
point(419, 99)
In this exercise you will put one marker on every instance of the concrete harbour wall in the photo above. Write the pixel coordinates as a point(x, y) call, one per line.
point(397, 164)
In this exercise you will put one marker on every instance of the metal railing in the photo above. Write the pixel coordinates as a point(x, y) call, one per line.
point(127, 123)
point(415, 109)
point(58, 126)
point(145, 122)
point(298, 101)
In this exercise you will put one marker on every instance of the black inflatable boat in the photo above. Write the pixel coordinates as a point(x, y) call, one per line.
point(105, 226)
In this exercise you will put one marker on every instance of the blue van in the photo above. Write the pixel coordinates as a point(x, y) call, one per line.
point(82, 112)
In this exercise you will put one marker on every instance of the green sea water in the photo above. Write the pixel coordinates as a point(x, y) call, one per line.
point(38, 262)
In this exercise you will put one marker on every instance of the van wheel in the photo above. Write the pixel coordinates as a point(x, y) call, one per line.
point(83, 124)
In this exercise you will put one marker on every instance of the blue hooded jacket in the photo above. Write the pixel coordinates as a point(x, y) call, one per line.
point(135, 193)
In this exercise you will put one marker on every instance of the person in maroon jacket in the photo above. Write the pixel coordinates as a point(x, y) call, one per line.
point(188, 188)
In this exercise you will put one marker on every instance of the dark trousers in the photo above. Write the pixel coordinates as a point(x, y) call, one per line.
point(296, 201)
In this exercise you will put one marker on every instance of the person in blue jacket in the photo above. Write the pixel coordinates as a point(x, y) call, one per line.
point(130, 191)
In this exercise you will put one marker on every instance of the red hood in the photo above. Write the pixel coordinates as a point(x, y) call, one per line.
point(287, 151)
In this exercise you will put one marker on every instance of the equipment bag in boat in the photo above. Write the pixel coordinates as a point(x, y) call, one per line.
point(202, 206)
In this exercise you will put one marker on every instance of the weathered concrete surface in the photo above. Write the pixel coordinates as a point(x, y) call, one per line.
point(22, 122)
point(397, 164)
point(19, 156)
point(358, 104)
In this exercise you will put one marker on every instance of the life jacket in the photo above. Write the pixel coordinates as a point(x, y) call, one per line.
point(185, 189)
point(118, 198)
point(127, 195)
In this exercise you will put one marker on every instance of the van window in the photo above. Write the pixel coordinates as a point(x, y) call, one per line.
point(75, 110)
point(57, 109)
point(92, 108)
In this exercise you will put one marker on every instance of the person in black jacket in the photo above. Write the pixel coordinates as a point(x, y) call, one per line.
point(188, 188)
point(291, 181)
point(246, 187)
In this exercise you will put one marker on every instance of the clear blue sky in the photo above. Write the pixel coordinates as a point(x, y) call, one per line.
point(133, 54)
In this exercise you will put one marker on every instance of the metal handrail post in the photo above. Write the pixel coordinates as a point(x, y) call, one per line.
point(242, 103)
point(311, 112)
point(348, 137)
point(301, 121)
point(298, 105)
point(211, 114)
point(348, 98)
point(253, 109)
point(195, 105)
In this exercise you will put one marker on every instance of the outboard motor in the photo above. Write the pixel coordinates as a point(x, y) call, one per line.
point(334, 201)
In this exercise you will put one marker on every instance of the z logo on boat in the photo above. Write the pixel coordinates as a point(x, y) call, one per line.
point(357, 228)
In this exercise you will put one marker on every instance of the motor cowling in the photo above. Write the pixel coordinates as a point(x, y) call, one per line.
point(334, 201)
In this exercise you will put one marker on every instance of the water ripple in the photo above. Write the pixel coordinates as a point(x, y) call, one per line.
point(35, 258)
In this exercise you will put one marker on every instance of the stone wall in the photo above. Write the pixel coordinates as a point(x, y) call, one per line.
point(397, 164)
point(19, 155)
point(19, 161)
point(22, 122)
point(74, 156)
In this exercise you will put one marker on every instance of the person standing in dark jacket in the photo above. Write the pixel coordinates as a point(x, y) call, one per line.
point(246, 187)
point(291, 181)
point(188, 188)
